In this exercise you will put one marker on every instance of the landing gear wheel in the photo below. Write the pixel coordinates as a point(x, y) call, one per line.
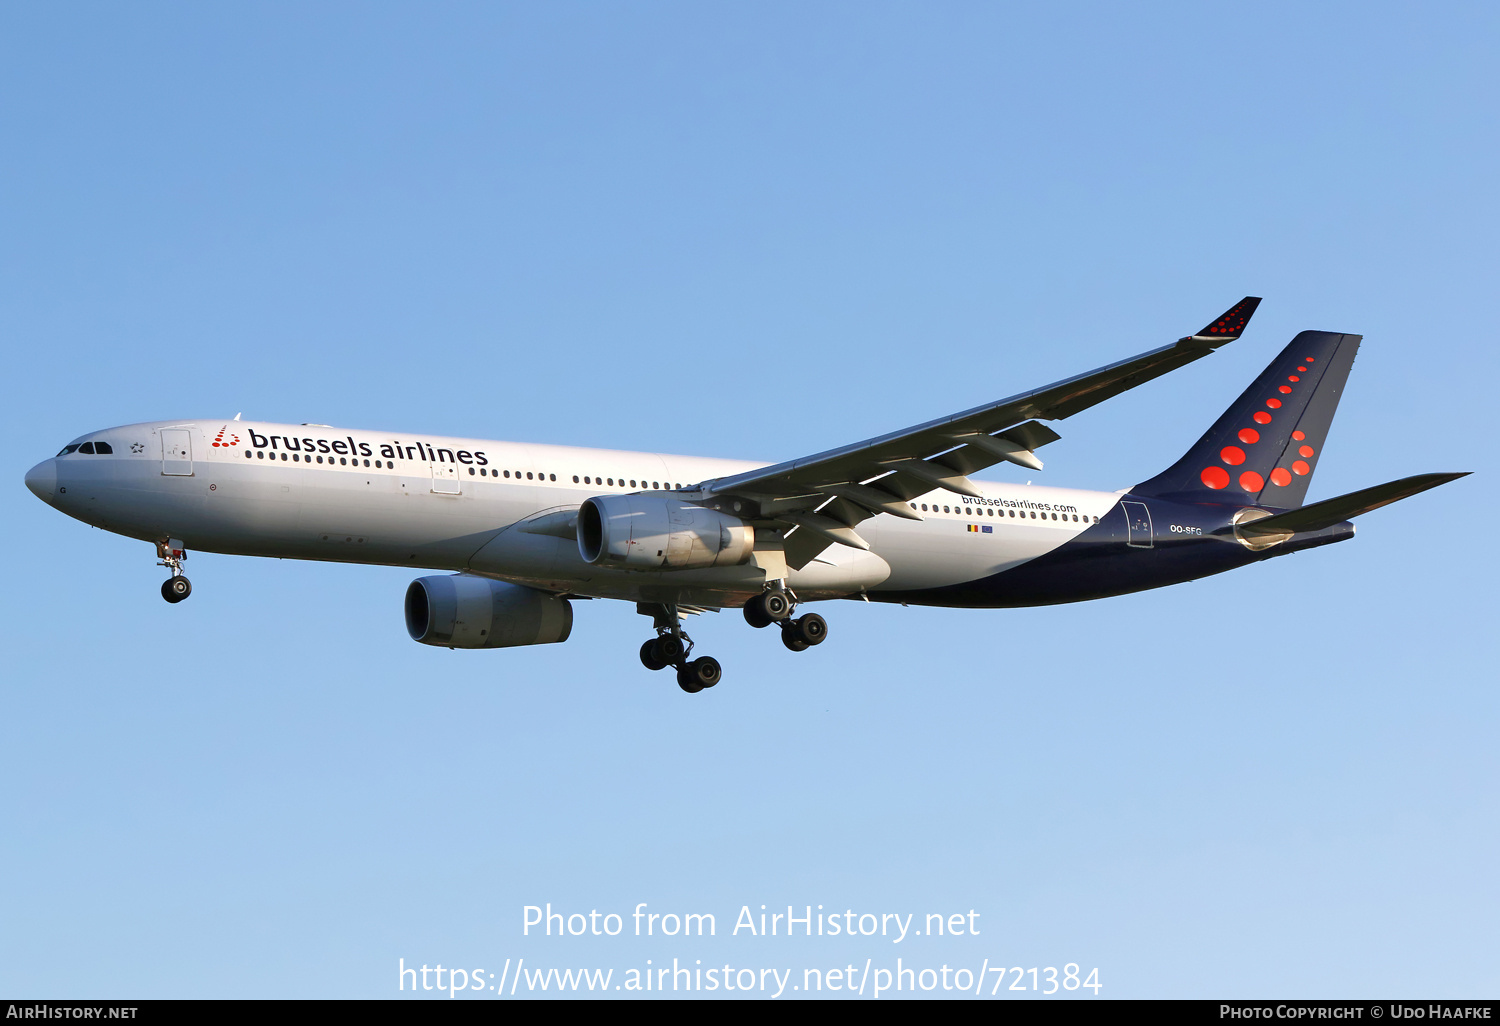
point(776, 605)
point(755, 612)
point(812, 628)
point(699, 674)
point(791, 639)
point(648, 656)
point(668, 650)
point(175, 589)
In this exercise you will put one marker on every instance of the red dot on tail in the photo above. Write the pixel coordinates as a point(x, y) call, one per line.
point(1274, 404)
point(1232, 455)
point(1251, 481)
point(1306, 451)
point(1298, 435)
point(1249, 436)
point(1281, 477)
point(1302, 370)
point(1309, 359)
point(1293, 377)
point(1285, 389)
point(1301, 468)
point(1215, 477)
point(1262, 417)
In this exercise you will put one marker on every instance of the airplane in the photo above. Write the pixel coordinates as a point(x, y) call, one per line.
point(528, 529)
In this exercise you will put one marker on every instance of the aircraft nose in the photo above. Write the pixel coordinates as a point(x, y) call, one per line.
point(42, 480)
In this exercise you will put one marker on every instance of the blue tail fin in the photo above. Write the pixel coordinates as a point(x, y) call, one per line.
point(1265, 447)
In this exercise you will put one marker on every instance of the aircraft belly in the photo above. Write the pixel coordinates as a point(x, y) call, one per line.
point(948, 553)
point(839, 571)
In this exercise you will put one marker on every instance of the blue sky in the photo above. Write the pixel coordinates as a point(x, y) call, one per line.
point(754, 231)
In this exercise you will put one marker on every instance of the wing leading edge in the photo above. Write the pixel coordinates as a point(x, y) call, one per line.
point(819, 500)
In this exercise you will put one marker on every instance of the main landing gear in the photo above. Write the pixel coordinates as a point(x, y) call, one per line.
point(776, 606)
point(672, 646)
point(177, 587)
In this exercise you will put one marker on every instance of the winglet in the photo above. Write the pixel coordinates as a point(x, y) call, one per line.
point(1230, 324)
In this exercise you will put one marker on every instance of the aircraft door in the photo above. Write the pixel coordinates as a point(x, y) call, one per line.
point(445, 479)
point(177, 452)
point(1138, 523)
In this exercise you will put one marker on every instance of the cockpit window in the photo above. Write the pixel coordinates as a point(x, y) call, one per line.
point(103, 449)
point(69, 448)
point(87, 447)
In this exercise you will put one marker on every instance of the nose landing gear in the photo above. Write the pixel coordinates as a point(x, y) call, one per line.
point(671, 647)
point(177, 587)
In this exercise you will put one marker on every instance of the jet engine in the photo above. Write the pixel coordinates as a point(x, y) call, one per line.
point(464, 611)
point(656, 532)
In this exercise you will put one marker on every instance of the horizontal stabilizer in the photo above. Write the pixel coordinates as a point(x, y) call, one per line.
point(1345, 507)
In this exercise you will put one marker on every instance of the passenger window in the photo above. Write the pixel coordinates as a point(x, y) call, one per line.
point(551, 477)
point(87, 448)
point(611, 482)
point(471, 471)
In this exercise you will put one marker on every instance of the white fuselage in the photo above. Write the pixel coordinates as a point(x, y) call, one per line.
point(312, 492)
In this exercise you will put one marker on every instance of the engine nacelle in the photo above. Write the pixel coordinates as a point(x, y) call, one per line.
point(464, 611)
point(657, 532)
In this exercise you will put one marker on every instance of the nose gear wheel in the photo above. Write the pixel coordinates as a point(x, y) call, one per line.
point(177, 587)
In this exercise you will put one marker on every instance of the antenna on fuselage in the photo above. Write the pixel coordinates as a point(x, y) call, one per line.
point(236, 416)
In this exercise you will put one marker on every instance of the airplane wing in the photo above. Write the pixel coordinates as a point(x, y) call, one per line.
point(819, 500)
